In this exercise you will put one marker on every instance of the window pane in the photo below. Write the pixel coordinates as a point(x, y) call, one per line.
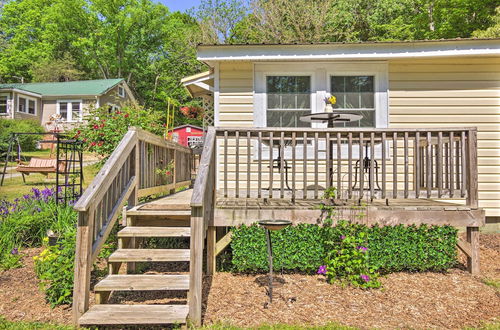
point(22, 104)
point(285, 93)
point(3, 104)
point(279, 118)
point(63, 110)
point(368, 119)
point(75, 111)
point(31, 107)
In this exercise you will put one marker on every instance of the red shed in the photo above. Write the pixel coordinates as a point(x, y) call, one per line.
point(187, 135)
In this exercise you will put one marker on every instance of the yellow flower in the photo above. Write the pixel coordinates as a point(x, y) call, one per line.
point(332, 99)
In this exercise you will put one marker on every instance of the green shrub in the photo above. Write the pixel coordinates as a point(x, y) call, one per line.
point(28, 142)
point(55, 267)
point(305, 247)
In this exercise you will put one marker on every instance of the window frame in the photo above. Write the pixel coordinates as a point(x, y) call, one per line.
point(70, 113)
point(122, 94)
point(7, 104)
point(26, 104)
point(320, 73)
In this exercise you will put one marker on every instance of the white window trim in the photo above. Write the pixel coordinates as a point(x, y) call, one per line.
point(28, 98)
point(8, 104)
point(123, 94)
point(320, 85)
point(70, 113)
point(113, 106)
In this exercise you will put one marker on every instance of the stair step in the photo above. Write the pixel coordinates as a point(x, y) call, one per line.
point(134, 314)
point(143, 283)
point(141, 255)
point(157, 213)
point(155, 232)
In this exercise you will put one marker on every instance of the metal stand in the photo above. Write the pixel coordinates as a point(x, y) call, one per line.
point(270, 258)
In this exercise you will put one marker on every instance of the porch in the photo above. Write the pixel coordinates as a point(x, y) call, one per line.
point(385, 176)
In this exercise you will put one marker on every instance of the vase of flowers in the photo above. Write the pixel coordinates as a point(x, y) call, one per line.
point(330, 103)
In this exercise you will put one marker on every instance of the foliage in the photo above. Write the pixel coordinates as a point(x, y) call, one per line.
point(340, 248)
point(55, 267)
point(104, 129)
point(28, 142)
point(348, 256)
point(25, 222)
point(63, 69)
point(493, 31)
point(8, 325)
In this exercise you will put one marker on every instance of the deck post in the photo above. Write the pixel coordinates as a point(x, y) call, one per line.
point(472, 182)
point(211, 250)
point(473, 258)
point(132, 201)
point(196, 265)
point(83, 264)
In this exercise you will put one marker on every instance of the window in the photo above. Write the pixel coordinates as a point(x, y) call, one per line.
point(70, 110)
point(26, 105)
point(355, 94)
point(121, 91)
point(288, 98)
point(113, 108)
point(4, 99)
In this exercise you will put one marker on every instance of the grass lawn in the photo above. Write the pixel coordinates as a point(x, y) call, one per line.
point(13, 187)
point(4, 324)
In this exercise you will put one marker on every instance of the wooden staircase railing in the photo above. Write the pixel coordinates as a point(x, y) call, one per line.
point(129, 173)
point(202, 210)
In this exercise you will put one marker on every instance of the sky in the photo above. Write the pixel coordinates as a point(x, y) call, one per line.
point(180, 5)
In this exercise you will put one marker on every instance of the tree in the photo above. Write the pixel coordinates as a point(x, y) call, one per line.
point(56, 70)
point(218, 18)
point(493, 31)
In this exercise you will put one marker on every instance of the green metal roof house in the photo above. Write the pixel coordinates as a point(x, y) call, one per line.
point(69, 100)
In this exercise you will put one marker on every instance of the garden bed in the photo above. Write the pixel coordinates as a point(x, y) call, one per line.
point(414, 300)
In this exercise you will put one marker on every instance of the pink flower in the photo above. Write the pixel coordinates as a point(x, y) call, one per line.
point(322, 270)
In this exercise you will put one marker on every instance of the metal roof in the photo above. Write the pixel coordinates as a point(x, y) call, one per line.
point(80, 87)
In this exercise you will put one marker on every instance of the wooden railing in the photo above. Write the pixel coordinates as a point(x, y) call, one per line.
point(132, 170)
point(202, 210)
point(300, 163)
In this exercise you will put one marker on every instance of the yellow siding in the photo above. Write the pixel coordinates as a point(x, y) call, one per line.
point(453, 92)
point(236, 94)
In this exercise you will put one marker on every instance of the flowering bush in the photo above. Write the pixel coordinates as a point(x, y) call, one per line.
point(25, 222)
point(55, 267)
point(192, 112)
point(104, 128)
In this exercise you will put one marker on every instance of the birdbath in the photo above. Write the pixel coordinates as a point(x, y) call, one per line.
point(272, 225)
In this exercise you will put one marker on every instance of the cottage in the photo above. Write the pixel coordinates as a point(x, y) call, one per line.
point(70, 100)
point(188, 135)
point(391, 132)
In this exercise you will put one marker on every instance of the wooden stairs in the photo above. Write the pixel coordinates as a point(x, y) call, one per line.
point(167, 217)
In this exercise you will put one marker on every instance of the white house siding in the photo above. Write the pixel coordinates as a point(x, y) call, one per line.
point(453, 93)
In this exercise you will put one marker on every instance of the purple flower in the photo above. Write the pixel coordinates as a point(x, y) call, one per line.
point(14, 251)
point(322, 270)
point(362, 248)
point(39, 209)
point(36, 193)
point(26, 196)
point(365, 278)
point(342, 237)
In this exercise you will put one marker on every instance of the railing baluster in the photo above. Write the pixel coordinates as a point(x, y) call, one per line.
point(384, 170)
point(316, 170)
point(329, 163)
point(248, 164)
point(294, 145)
point(452, 164)
point(463, 154)
point(349, 164)
point(281, 164)
point(361, 167)
point(395, 165)
point(304, 169)
point(428, 156)
point(225, 162)
point(271, 164)
point(406, 163)
point(439, 164)
point(417, 166)
point(237, 169)
point(259, 166)
point(339, 164)
point(372, 165)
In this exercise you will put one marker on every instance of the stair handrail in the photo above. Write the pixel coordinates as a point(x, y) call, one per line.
point(202, 208)
point(129, 172)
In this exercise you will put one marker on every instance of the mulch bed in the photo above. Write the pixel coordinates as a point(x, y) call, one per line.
point(419, 300)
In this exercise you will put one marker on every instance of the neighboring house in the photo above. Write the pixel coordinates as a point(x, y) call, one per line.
point(188, 135)
point(414, 84)
point(71, 100)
